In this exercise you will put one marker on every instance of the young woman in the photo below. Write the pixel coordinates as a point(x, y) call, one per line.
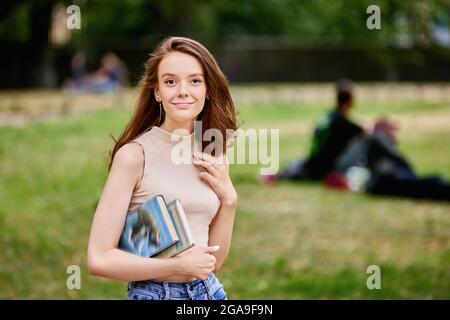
point(182, 83)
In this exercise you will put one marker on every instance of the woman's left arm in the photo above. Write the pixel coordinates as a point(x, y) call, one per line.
point(221, 228)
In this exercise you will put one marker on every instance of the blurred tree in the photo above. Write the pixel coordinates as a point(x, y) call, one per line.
point(27, 24)
point(252, 24)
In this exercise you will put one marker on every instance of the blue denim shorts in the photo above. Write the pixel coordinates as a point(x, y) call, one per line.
point(209, 289)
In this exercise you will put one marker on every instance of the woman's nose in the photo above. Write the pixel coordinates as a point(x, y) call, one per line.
point(183, 91)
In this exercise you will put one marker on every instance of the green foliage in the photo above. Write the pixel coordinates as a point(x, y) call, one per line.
point(320, 22)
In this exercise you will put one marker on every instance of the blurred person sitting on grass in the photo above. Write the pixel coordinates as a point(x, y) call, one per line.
point(330, 138)
point(109, 77)
point(347, 156)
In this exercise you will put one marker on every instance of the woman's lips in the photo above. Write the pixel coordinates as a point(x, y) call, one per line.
point(184, 105)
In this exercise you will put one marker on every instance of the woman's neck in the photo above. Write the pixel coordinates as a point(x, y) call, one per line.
point(171, 126)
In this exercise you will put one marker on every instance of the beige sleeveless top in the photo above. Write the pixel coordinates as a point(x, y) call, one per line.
point(175, 181)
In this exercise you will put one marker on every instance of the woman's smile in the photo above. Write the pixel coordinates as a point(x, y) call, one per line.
point(183, 105)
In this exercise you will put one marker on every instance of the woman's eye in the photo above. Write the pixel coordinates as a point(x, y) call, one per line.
point(196, 81)
point(169, 82)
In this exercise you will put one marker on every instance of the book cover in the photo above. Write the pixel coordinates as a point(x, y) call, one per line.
point(149, 229)
point(186, 240)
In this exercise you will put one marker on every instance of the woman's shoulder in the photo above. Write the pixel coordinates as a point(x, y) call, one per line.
point(130, 156)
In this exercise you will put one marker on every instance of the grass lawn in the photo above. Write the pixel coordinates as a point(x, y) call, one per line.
point(291, 241)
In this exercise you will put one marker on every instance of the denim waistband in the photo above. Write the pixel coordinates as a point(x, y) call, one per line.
point(196, 287)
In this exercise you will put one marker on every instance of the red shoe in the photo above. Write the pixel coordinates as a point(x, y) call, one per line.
point(268, 179)
point(336, 180)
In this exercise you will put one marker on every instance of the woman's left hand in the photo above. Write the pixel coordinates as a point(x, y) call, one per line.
point(218, 176)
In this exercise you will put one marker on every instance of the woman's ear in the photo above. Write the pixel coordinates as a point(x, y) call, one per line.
point(156, 93)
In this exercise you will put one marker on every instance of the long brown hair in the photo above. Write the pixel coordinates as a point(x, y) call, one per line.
point(219, 111)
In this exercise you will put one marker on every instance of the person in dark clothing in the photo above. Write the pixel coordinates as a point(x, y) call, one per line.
point(330, 138)
point(341, 148)
point(392, 174)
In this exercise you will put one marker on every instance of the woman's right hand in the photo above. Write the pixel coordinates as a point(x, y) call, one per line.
point(198, 261)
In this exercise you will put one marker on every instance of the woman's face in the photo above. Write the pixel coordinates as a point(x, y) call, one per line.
point(181, 87)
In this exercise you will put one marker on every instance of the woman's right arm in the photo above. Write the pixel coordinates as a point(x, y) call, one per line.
point(103, 257)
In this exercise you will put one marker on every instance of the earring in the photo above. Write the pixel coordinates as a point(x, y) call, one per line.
point(160, 111)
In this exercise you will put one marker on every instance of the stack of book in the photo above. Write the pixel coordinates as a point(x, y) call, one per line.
point(156, 229)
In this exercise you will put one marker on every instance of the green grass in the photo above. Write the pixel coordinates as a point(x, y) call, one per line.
point(291, 241)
